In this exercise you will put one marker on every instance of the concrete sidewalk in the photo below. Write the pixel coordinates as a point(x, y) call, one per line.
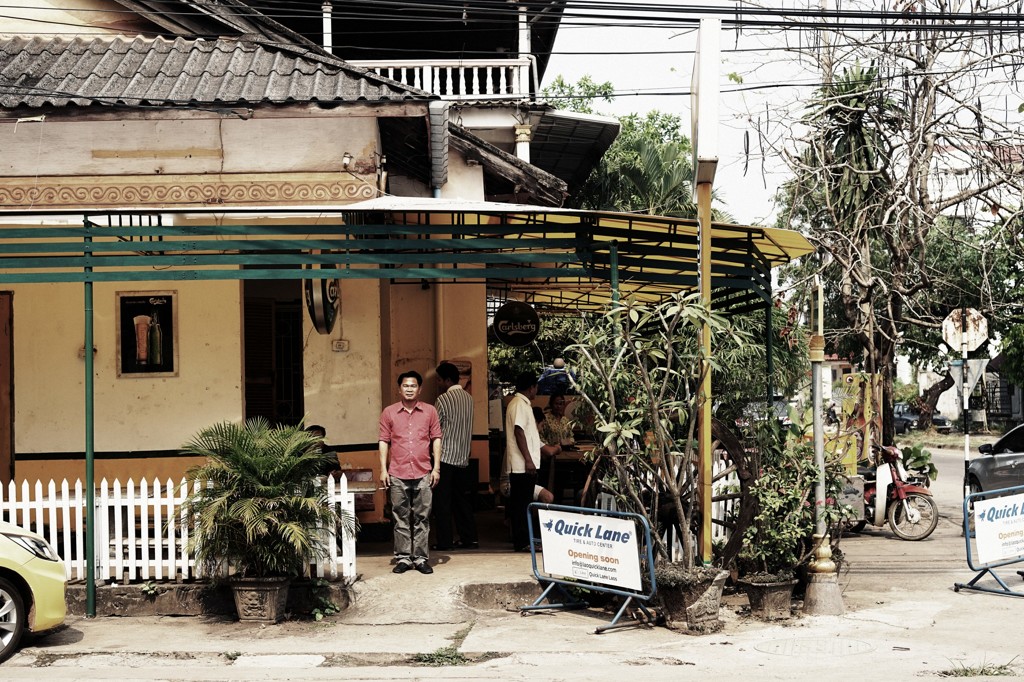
point(903, 620)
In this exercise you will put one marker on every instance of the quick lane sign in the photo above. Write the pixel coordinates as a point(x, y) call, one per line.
point(596, 549)
point(999, 528)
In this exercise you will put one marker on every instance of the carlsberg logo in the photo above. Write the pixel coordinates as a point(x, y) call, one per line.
point(514, 328)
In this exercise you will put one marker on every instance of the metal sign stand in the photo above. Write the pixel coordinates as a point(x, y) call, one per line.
point(986, 569)
point(552, 584)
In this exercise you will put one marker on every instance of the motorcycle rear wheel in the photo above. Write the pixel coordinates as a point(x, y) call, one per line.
point(904, 527)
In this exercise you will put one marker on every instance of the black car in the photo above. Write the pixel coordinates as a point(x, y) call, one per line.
point(906, 418)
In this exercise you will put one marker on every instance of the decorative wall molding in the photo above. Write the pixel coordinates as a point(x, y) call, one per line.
point(176, 191)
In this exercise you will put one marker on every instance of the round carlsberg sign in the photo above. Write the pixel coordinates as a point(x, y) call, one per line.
point(516, 324)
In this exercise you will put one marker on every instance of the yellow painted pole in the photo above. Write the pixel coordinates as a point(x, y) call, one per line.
point(704, 398)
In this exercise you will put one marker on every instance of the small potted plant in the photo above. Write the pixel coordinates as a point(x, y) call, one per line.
point(779, 540)
point(258, 510)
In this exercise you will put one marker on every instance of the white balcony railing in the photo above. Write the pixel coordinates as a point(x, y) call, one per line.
point(461, 79)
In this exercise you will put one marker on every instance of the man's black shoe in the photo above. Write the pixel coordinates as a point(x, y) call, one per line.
point(467, 545)
point(401, 567)
point(424, 568)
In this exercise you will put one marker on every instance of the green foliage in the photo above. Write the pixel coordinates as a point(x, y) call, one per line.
point(904, 393)
point(742, 382)
point(648, 167)
point(983, 670)
point(676, 574)
point(320, 592)
point(646, 170)
point(579, 96)
point(1013, 354)
point(445, 656)
point(916, 458)
point(638, 374)
point(149, 588)
point(780, 539)
point(556, 332)
point(258, 505)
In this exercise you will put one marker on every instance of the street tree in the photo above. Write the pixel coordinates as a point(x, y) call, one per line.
point(906, 145)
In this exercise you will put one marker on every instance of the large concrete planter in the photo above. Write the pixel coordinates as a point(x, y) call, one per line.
point(260, 600)
point(694, 608)
point(770, 601)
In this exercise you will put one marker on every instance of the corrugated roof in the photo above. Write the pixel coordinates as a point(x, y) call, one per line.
point(36, 72)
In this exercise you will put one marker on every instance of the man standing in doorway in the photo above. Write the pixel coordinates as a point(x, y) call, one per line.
point(410, 433)
point(523, 451)
point(455, 489)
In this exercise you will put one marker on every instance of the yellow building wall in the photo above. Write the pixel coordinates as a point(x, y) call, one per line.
point(342, 387)
point(131, 414)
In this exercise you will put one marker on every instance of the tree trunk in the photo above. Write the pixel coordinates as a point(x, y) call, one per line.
point(927, 402)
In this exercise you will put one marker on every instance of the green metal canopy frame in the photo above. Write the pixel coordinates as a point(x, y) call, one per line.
point(552, 258)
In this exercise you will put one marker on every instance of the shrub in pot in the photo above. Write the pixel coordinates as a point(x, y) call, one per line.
point(257, 510)
point(638, 368)
point(780, 541)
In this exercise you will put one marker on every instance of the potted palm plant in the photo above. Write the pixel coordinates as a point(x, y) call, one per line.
point(638, 373)
point(258, 510)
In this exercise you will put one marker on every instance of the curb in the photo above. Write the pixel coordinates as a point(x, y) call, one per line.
point(195, 599)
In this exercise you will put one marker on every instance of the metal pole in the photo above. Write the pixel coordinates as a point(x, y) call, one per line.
point(822, 596)
point(769, 347)
point(613, 260)
point(964, 397)
point(817, 357)
point(90, 492)
point(704, 415)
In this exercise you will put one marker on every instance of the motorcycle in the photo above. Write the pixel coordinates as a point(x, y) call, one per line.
point(908, 506)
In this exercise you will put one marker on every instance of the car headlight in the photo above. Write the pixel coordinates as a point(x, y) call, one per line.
point(37, 546)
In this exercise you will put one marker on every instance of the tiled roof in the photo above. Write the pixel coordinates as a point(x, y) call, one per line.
point(154, 71)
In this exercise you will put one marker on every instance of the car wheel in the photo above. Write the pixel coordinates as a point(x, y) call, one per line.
point(900, 428)
point(975, 487)
point(12, 618)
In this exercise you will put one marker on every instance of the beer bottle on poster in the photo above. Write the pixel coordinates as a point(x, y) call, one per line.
point(156, 340)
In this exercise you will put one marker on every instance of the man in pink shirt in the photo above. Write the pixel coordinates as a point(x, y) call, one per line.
point(410, 433)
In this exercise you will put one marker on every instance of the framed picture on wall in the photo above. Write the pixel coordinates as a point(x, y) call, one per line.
point(147, 334)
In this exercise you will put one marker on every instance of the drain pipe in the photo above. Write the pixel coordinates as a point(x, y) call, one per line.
point(327, 20)
point(437, 118)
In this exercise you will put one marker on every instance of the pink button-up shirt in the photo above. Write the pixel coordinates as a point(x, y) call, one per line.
point(409, 434)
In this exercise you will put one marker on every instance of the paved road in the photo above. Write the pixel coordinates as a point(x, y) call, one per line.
point(903, 621)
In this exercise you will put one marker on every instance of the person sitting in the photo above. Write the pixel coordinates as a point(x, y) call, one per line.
point(332, 467)
point(556, 427)
point(555, 379)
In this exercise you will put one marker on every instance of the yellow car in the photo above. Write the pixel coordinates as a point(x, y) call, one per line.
point(32, 585)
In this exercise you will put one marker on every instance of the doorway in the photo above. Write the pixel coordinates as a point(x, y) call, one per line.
point(273, 350)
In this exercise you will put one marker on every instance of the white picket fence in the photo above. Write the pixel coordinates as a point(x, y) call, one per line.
point(139, 530)
point(723, 510)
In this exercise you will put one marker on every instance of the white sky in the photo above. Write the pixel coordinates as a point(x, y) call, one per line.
point(745, 194)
